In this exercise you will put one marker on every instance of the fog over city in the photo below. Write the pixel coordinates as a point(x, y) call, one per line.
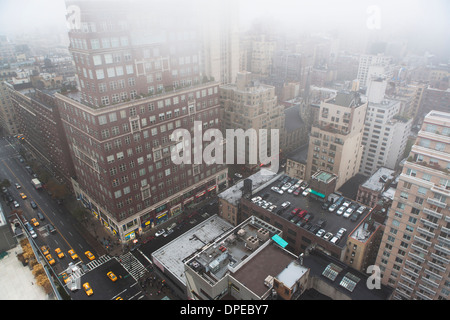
point(424, 24)
point(246, 150)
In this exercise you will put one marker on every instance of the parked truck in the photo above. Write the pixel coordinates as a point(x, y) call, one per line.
point(36, 183)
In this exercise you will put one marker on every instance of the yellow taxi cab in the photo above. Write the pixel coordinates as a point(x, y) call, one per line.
point(72, 254)
point(35, 222)
point(87, 288)
point(50, 259)
point(119, 298)
point(89, 255)
point(65, 277)
point(112, 276)
point(44, 250)
point(23, 195)
point(59, 253)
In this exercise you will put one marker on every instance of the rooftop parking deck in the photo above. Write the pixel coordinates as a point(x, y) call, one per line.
point(333, 221)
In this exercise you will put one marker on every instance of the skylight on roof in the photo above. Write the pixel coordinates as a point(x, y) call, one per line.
point(331, 271)
point(349, 281)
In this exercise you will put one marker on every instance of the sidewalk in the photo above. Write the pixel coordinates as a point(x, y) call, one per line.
point(153, 284)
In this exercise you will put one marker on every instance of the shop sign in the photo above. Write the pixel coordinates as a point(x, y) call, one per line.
point(130, 236)
point(201, 193)
point(162, 214)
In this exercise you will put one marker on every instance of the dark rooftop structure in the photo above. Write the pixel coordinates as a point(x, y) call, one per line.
point(299, 155)
point(346, 99)
point(293, 121)
point(270, 261)
point(347, 282)
point(350, 188)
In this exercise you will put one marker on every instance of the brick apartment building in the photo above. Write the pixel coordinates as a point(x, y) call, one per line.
point(140, 79)
point(37, 118)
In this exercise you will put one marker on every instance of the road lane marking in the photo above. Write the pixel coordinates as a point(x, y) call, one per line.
point(118, 295)
point(135, 295)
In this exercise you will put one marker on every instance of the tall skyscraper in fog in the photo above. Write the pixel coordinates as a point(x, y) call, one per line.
point(415, 249)
point(220, 39)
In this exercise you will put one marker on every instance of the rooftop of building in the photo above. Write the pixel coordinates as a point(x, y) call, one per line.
point(333, 221)
point(173, 255)
point(348, 99)
point(343, 278)
point(389, 193)
point(233, 194)
point(366, 227)
point(299, 155)
point(350, 188)
point(253, 87)
point(273, 261)
point(76, 96)
point(438, 115)
point(293, 121)
point(377, 181)
point(324, 176)
point(386, 103)
point(247, 252)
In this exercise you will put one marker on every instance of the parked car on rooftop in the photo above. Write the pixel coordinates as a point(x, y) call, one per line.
point(277, 190)
point(347, 203)
point(341, 232)
point(306, 192)
point(348, 212)
point(354, 217)
point(328, 236)
point(320, 233)
point(285, 204)
point(341, 210)
point(361, 209)
point(286, 186)
point(332, 207)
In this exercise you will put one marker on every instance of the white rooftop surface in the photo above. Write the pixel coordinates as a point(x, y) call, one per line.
point(260, 178)
point(16, 281)
point(361, 233)
point(290, 275)
point(373, 183)
point(172, 256)
point(389, 193)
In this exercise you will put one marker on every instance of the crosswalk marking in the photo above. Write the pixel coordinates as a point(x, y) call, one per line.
point(134, 267)
point(98, 262)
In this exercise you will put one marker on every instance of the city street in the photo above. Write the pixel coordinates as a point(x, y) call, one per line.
point(67, 235)
point(136, 278)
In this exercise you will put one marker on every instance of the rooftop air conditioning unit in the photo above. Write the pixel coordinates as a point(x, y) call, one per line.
point(263, 234)
point(252, 243)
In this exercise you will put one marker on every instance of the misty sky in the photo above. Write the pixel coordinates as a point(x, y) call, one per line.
point(418, 19)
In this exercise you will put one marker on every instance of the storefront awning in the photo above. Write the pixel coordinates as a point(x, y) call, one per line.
point(317, 193)
point(279, 241)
